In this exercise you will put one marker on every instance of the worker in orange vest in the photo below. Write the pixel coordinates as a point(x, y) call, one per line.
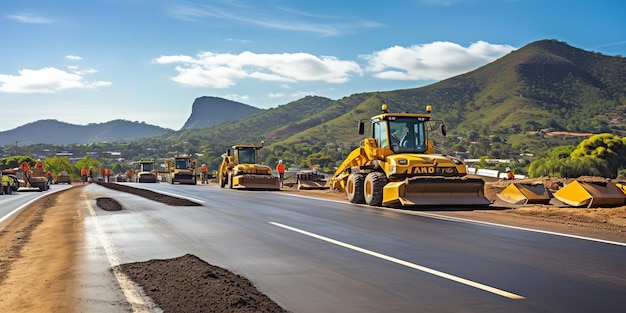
point(83, 175)
point(280, 168)
point(107, 175)
point(205, 174)
point(49, 177)
point(509, 174)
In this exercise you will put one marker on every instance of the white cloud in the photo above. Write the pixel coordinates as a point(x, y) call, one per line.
point(29, 19)
point(238, 98)
point(209, 69)
point(73, 57)
point(433, 61)
point(276, 95)
point(238, 40)
point(267, 15)
point(47, 80)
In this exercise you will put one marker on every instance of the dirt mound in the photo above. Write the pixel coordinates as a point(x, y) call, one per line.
point(188, 284)
point(148, 194)
point(108, 204)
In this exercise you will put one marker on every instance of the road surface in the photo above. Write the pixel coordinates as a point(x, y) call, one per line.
point(312, 255)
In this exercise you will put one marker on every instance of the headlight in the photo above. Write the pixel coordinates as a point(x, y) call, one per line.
point(457, 161)
point(402, 161)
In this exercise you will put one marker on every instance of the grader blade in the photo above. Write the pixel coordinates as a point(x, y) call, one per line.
point(591, 194)
point(262, 182)
point(436, 191)
point(520, 194)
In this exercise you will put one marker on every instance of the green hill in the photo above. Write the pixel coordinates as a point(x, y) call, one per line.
point(499, 110)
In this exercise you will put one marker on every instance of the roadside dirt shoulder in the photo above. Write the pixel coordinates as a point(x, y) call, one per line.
point(39, 258)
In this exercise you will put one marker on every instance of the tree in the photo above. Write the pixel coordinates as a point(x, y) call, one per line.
point(87, 162)
point(58, 164)
point(16, 161)
point(598, 155)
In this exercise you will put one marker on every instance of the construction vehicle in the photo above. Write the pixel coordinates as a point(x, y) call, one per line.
point(239, 170)
point(146, 171)
point(35, 178)
point(8, 182)
point(63, 178)
point(397, 166)
point(183, 169)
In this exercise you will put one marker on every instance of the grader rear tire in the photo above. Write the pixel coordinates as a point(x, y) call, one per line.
point(373, 188)
point(354, 188)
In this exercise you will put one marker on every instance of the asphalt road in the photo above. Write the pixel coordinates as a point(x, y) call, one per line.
point(312, 255)
point(11, 204)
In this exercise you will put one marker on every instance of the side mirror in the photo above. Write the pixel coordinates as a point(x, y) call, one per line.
point(361, 128)
point(444, 130)
point(228, 152)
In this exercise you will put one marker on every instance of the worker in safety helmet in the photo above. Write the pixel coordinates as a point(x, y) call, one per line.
point(509, 173)
point(280, 168)
point(205, 174)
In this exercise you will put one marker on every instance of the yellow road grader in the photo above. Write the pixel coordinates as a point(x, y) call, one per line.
point(146, 171)
point(239, 170)
point(183, 169)
point(397, 166)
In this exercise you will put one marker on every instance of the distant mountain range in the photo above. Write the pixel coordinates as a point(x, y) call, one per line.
point(61, 133)
point(545, 85)
point(206, 111)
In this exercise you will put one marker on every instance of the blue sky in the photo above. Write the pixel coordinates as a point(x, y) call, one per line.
point(92, 61)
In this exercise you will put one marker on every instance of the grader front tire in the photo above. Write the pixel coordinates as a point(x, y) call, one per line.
point(354, 188)
point(373, 188)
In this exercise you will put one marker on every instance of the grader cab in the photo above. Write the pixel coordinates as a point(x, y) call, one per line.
point(183, 169)
point(146, 171)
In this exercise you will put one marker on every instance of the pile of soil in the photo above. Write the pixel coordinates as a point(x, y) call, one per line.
point(108, 204)
point(188, 284)
point(148, 194)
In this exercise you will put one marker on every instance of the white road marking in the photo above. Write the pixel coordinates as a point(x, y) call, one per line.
point(407, 264)
point(464, 220)
point(23, 206)
point(129, 288)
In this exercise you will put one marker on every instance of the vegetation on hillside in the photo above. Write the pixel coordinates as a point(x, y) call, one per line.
point(600, 155)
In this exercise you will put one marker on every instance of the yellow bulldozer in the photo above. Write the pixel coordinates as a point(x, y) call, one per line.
point(240, 170)
point(397, 166)
point(146, 171)
point(183, 169)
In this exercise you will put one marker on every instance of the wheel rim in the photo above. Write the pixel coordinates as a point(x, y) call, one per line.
point(368, 189)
